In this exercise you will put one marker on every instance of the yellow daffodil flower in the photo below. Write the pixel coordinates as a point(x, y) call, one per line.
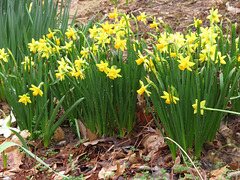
point(214, 16)
point(60, 75)
point(36, 90)
point(24, 99)
point(185, 63)
point(238, 58)
point(79, 62)
point(202, 104)
point(63, 65)
point(113, 73)
point(94, 49)
point(77, 73)
point(3, 55)
point(169, 98)
point(51, 34)
point(69, 46)
point(58, 42)
point(154, 24)
point(103, 67)
point(120, 43)
point(107, 27)
point(196, 22)
point(221, 58)
point(103, 38)
point(173, 55)
point(208, 35)
point(71, 33)
point(142, 17)
point(141, 59)
point(210, 51)
point(27, 63)
point(143, 89)
point(114, 15)
point(84, 52)
point(33, 46)
point(94, 32)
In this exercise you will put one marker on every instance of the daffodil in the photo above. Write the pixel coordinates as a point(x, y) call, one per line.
point(221, 58)
point(103, 38)
point(79, 63)
point(141, 58)
point(210, 51)
point(185, 63)
point(208, 35)
point(36, 90)
point(24, 99)
point(113, 73)
point(60, 75)
point(202, 104)
point(142, 17)
point(114, 15)
point(214, 16)
point(169, 98)
point(58, 42)
point(84, 52)
point(77, 73)
point(107, 27)
point(197, 22)
point(120, 43)
point(94, 49)
point(94, 32)
point(63, 65)
point(143, 89)
point(154, 24)
point(51, 34)
point(71, 33)
point(3, 55)
point(103, 66)
point(173, 55)
point(28, 62)
point(69, 46)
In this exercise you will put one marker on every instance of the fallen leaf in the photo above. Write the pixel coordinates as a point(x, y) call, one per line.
point(82, 129)
point(153, 141)
point(94, 142)
point(107, 172)
point(218, 173)
point(233, 10)
point(135, 157)
point(58, 135)
point(91, 136)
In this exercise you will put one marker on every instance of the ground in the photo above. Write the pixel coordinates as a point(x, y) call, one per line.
point(145, 150)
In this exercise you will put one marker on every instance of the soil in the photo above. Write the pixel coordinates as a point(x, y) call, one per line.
point(95, 159)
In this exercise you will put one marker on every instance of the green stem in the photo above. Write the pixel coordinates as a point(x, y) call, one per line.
point(220, 110)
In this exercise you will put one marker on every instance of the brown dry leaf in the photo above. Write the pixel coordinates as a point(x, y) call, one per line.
point(14, 160)
point(91, 136)
point(135, 157)
point(94, 142)
point(107, 172)
point(233, 10)
point(82, 129)
point(140, 167)
point(218, 173)
point(58, 135)
point(177, 161)
point(120, 169)
point(153, 141)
